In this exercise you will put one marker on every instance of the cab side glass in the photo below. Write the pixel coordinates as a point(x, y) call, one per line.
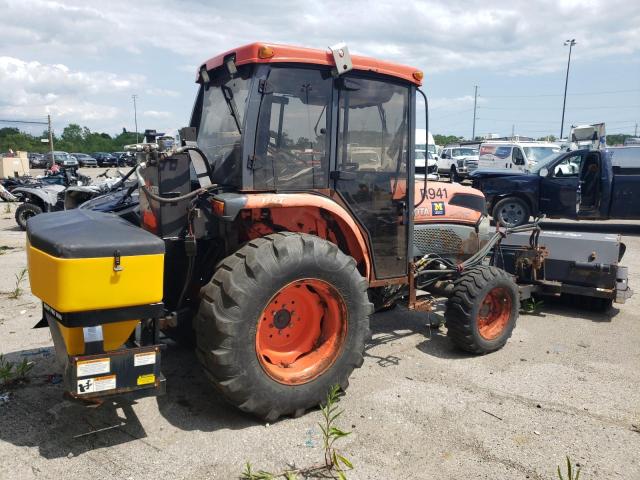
point(569, 167)
point(518, 157)
point(292, 142)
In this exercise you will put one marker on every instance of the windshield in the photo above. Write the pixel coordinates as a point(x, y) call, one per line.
point(463, 152)
point(220, 125)
point(420, 155)
point(546, 161)
point(537, 154)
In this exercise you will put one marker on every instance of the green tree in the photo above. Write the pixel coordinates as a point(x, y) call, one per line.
point(446, 139)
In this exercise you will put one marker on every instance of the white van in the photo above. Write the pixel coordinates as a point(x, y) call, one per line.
point(424, 141)
point(514, 155)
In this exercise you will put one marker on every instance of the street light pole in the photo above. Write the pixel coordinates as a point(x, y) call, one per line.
point(50, 132)
point(475, 102)
point(135, 116)
point(571, 43)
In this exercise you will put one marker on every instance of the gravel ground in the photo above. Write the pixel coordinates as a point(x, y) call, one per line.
point(565, 384)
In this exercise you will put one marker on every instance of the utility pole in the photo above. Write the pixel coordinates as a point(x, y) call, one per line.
point(636, 132)
point(135, 116)
point(475, 102)
point(571, 43)
point(513, 129)
point(53, 160)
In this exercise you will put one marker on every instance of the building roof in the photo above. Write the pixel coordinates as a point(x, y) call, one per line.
point(292, 54)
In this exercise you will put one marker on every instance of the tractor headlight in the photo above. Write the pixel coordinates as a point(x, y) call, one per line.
point(461, 163)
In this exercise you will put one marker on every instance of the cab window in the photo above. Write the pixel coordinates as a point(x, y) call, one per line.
point(518, 156)
point(569, 167)
point(292, 143)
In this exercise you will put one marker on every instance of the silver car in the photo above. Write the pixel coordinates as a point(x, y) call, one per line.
point(61, 158)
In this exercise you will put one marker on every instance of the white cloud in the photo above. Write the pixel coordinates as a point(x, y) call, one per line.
point(433, 35)
point(33, 89)
point(155, 114)
point(162, 92)
point(516, 38)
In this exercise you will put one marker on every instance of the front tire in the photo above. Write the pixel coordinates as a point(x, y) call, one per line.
point(24, 212)
point(455, 178)
point(511, 212)
point(482, 310)
point(283, 319)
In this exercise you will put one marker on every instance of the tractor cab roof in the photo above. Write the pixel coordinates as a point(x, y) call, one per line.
point(273, 53)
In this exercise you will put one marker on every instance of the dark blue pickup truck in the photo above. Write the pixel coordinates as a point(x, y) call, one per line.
point(580, 184)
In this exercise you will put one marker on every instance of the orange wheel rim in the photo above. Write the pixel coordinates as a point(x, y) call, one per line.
point(494, 314)
point(301, 331)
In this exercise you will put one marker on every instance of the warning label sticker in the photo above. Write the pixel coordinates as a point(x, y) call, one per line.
point(97, 384)
point(85, 368)
point(147, 358)
point(146, 379)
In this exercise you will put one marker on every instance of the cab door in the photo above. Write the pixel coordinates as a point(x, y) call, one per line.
point(371, 176)
point(560, 188)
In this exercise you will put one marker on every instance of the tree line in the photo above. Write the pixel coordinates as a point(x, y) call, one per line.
point(74, 138)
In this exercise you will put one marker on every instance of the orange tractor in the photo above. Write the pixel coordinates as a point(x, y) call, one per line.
point(268, 235)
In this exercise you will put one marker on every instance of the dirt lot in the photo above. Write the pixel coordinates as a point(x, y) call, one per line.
point(565, 384)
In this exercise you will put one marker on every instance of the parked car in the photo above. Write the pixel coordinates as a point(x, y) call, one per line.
point(36, 160)
point(61, 158)
point(125, 158)
point(580, 184)
point(105, 159)
point(457, 162)
point(520, 156)
point(426, 164)
point(85, 160)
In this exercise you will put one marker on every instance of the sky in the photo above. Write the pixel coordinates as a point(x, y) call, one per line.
point(81, 61)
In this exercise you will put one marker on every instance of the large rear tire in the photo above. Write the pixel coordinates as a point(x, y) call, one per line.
point(24, 212)
point(482, 310)
point(283, 319)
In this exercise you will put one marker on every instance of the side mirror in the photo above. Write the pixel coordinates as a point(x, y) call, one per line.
point(543, 172)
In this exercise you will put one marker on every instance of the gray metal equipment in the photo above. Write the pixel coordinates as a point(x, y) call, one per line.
point(555, 262)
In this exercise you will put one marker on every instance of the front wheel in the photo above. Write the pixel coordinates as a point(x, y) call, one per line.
point(454, 175)
point(482, 310)
point(24, 212)
point(511, 212)
point(283, 320)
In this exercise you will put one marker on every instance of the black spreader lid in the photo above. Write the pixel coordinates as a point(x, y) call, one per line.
point(89, 234)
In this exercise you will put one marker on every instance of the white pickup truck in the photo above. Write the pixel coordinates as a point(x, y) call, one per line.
point(457, 162)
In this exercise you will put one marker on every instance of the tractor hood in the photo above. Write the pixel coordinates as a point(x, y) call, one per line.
point(448, 203)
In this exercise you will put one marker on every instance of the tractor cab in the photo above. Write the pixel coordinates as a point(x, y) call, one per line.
point(272, 118)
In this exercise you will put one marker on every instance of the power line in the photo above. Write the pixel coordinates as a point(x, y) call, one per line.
point(560, 95)
point(23, 121)
point(554, 108)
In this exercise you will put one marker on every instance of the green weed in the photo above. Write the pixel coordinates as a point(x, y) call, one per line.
point(17, 291)
point(335, 465)
point(11, 372)
point(531, 305)
point(570, 472)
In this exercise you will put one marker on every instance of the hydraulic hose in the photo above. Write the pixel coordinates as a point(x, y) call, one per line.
point(162, 199)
